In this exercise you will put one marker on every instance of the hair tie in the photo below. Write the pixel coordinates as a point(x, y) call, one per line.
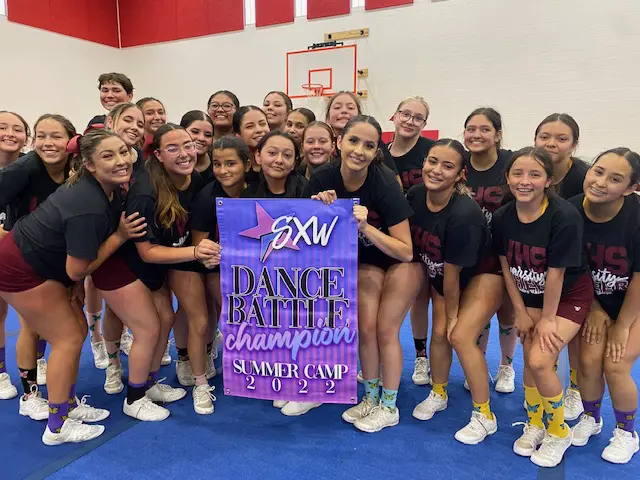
point(73, 146)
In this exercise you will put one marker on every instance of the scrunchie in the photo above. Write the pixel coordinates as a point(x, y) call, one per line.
point(73, 146)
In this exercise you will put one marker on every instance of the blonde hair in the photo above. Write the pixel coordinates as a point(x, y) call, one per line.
point(415, 98)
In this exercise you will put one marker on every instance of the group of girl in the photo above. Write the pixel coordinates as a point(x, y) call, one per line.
point(540, 238)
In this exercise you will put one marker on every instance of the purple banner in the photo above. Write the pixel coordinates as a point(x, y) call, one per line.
point(289, 276)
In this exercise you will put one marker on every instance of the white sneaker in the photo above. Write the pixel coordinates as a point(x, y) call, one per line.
point(34, 406)
point(166, 358)
point(161, 392)
point(358, 411)
point(505, 379)
point(203, 399)
point(279, 403)
point(184, 373)
point(572, 404)
point(421, 371)
point(360, 377)
point(7, 389)
point(42, 372)
point(294, 409)
point(477, 429)
point(113, 381)
point(72, 431)
point(100, 357)
point(86, 413)
point(126, 340)
point(466, 385)
point(217, 343)
point(211, 368)
point(144, 409)
point(380, 417)
point(622, 446)
point(584, 429)
point(551, 451)
point(529, 441)
point(427, 408)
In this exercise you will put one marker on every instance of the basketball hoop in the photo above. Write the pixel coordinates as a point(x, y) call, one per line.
point(313, 89)
point(315, 97)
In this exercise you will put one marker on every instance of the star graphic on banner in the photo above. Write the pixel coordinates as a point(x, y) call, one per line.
point(262, 231)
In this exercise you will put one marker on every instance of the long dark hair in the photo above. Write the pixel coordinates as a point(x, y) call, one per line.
point(168, 209)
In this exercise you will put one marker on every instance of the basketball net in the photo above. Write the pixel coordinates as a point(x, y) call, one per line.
point(315, 100)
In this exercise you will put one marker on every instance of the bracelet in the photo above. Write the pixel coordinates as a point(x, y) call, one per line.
point(194, 253)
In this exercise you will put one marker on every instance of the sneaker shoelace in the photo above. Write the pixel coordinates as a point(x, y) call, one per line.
point(571, 399)
point(475, 424)
point(202, 393)
point(618, 441)
point(529, 432)
point(420, 365)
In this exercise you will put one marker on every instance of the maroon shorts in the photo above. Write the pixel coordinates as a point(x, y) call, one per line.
point(489, 264)
point(113, 274)
point(16, 275)
point(576, 303)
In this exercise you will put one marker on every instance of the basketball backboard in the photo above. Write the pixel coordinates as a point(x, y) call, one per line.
point(335, 68)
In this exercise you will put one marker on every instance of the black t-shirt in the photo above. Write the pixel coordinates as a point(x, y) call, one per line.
point(75, 220)
point(457, 235)
point(409, 165)
point(613, 252)
point(295, 185)
point(142, 198)
point(573, 181)
point(380, 193)
point(553, 240)
point(24, 185)
point(489, 186)
point(205, 217)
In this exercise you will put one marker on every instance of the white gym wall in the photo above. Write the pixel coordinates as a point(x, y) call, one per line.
point(526, 58)
point(44, 72)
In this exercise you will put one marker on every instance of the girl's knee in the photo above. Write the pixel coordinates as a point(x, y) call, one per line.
point(387, 334)
point(199, 326)
point(613, 371)
point(539, 363)
point(462, 339)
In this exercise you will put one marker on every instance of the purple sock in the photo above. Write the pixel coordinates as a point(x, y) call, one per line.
point(58, 413)
point(592, 408)
point(72, 397)
point(152, 379)
point(625, 420)
point(42, 346)
point(3, 367)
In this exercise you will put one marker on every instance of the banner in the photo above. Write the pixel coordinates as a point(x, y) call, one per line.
point(289, 276)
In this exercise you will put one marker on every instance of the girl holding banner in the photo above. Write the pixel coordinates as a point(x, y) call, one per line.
point(231, 162)
point(387, 282)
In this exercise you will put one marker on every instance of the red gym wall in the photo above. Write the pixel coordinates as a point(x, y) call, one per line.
point(143, 22)
point(94, 20)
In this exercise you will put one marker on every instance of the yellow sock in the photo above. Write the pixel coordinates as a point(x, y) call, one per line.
point(573, 379)
point(555, 366)
point(440, 389)
point(534, 406)
point(484, 409)
point(554, 415)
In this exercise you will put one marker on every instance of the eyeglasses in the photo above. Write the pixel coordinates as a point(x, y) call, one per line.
point(405, 116)
point(226, 107)
point(176, 149)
